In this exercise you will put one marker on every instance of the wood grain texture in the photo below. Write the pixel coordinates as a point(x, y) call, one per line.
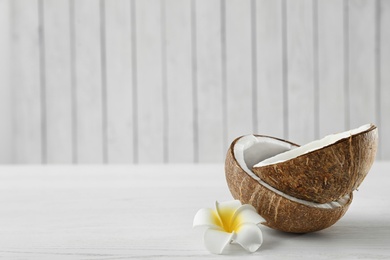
point(133, 212)
point(175, 81)
point(270, 103)
point(180, 119)
point(58, 81)
point(300, 80)
point(149, 82)
point(27, 121)
point(362, 89)
point(6, 136)
point(384, 79)
point(208, 73)
point(89, 121)
point(119, 57)
point(331, 67)
point(239, 88)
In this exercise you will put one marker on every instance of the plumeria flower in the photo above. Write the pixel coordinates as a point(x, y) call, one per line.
point(231, 222)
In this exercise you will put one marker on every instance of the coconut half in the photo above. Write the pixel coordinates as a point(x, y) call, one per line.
point(324, 170)
point(280, 211)
point(300, 188)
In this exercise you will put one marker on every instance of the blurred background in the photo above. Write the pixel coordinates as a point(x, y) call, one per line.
point(176, 81)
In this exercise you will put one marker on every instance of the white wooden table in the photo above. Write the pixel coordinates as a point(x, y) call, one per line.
point(146, 212)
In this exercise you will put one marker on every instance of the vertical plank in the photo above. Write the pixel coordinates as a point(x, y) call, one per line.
point(239, 68)
point(88, 82)
point(270, 67)
point(178, 80)
point(331, 67)
point(6, 136)
point(149, 75)
point(384, 79)
point(301, 126)
point(362, 62)
point(208, 80)
point(119, 81)
point(58, 81)
point(25, 82)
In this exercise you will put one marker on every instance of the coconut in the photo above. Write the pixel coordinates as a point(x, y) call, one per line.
point(292, 212)
point(324, 170)
point(280, 211)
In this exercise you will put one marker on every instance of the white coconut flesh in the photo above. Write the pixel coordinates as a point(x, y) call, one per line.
point(312, 146)
point(250, 149)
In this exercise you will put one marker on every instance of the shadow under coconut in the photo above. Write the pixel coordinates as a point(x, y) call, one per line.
point(363, 232)
point(347, 234)
point(274, 238)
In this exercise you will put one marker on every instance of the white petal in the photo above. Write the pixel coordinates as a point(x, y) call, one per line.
point(226, 210)
point(216, 240)
point(246, 214)
point(232, 205)
point(249, 236)
point(207, 218)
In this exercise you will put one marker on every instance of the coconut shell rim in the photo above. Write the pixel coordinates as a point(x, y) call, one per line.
point(231, 150)
point(339, 210)
point(372, 128)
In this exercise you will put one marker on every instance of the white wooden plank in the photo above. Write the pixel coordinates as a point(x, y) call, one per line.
point(88, 82)
point(93, 212)
point(149, 84)
point(209, 128)
point(178, 80)
point(301, 120)
point(119, 81)
point(209, 81)
point(384, 80)
point(362, 62)
point(58, 81)
point(5, 89)
point(269, 67)
point(331, 67)
point(239, 69)
point(25, 82)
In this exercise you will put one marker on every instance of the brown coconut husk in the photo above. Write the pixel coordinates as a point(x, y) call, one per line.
point(278, 211)
point(326, 174)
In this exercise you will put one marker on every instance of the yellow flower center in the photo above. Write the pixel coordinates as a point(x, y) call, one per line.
point(224, 219)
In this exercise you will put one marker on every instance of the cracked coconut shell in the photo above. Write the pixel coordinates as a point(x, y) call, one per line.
point(280, 211)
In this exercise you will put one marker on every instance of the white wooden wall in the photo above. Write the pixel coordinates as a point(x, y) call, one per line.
point(175, 81)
